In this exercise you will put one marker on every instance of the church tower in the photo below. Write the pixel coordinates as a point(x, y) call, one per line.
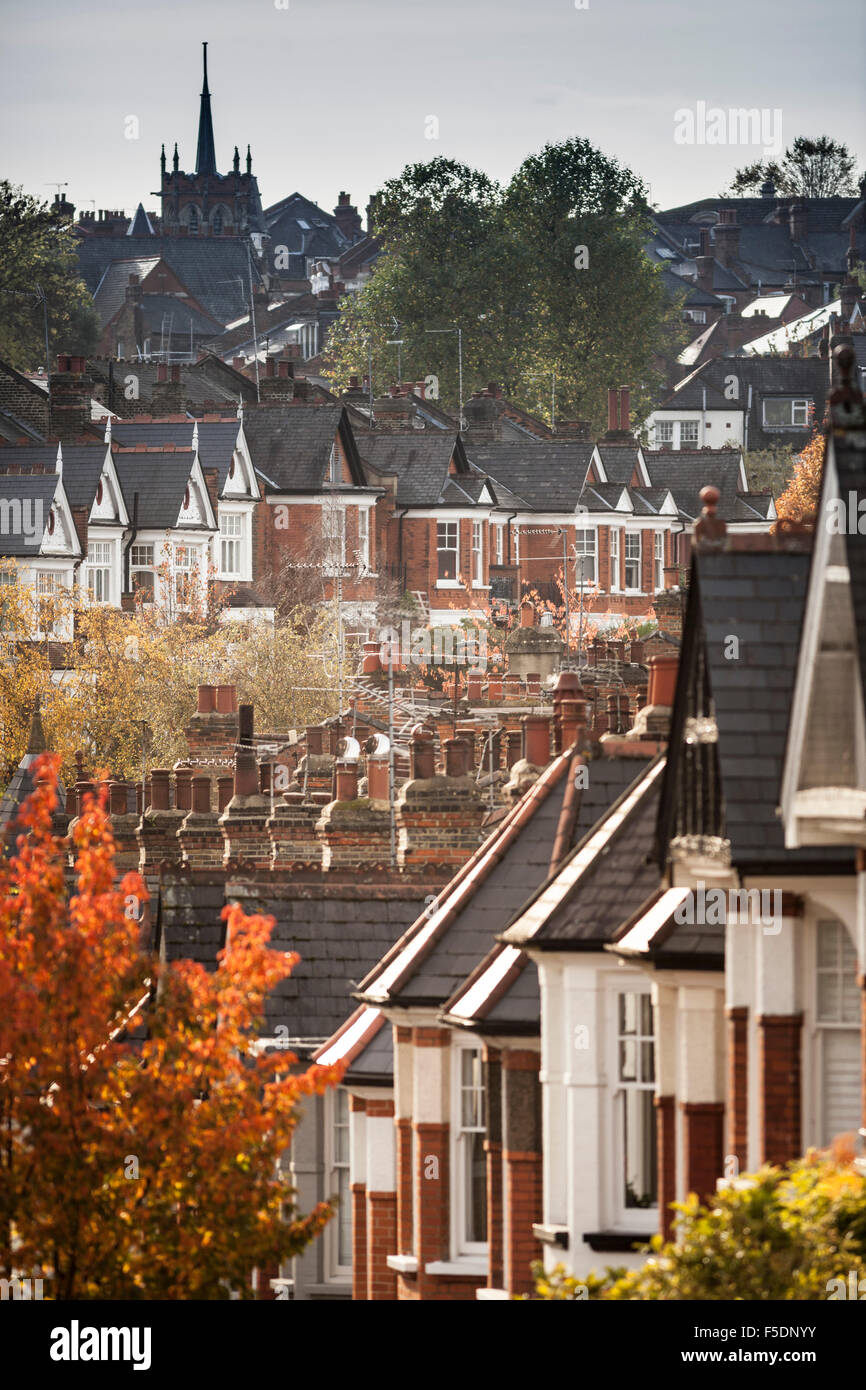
point(207, 203)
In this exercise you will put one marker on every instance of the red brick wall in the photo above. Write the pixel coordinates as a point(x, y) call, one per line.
point(666, 1140)
point(779, 1087)
point(703, 1145)
point(738, 1085)
point(381, 1242)
point(523, 1205)
point(359, 1242)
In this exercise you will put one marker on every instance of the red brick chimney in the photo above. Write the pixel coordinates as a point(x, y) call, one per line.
point(71, 394)
point(727, 237)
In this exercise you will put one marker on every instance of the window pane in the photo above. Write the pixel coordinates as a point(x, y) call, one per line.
point(639, 1149)
point(628, 1059)
point(476, 1187)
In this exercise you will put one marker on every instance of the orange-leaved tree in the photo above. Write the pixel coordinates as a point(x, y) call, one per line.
point(141, 1127)
point(799, 501)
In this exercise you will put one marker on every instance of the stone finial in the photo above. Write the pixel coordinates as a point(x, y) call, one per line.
point(710, 529)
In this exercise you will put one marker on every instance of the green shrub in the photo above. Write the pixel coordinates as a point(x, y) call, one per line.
point(779, 1234)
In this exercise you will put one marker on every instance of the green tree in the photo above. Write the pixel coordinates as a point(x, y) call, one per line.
point(545, 278)
point(39, 272)
point(810, 168)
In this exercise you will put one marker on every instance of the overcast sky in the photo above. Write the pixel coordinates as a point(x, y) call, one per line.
point(338, 94)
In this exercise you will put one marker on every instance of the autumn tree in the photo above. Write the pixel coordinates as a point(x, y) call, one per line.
point(141, 1126)
point(124, 670)
point(801, 498)
point(40, 283)
point(817, 167)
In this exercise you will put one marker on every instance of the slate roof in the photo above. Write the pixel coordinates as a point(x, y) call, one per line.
point(30, 491)
point(620, 462)
point(216, 439)
point(685, 472)
point(82, 467)
point(518, 1005)
point(290, 445)
point(215, 270)
point(338, 931)
point(420, 461)
point(320, 238)
point(179, 313)
point(199, 389)
point(110, 293)
point(21, 784)
point(615, 882)
point(549, 477)
point(767, 376)
point(654, 934)
point(160, 480)
point(758, 597)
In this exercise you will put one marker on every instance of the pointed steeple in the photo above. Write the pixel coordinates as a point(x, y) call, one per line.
point(36, 742)
point(205, 161)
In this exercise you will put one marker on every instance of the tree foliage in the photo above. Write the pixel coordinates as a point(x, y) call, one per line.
point(801, 498)
point(124, 668)
point(785, 1234)
point(38, 260)
point(140, 1127)
point(546, 278)
point(809, 168)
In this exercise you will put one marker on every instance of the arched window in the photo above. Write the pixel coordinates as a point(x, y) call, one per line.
point(217, 222)
point(193, 222)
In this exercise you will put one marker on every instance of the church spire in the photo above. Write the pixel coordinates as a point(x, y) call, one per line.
point(205, 162)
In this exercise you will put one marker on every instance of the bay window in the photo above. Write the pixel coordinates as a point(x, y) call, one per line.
point(98, 571)
point(614, 561)
point(837, 1015)
point(658, 560)
point(471, 1160)
point(446, 547)
point(231, 540)
point(334, 537)
point(586, 562)
point(632, 559)
point(477, 555)
point(638, 1172)
point(364, 540)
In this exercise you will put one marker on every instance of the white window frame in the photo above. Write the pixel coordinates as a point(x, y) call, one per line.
point(659, 560)
point(614, 554)
point(97, 571)
point(625, 1217)
point(515, 532)
point(477, 555)
point(630, 538)
point(445, 528)
point(585, 549)
point(499, 536)
point(664, 430)
point(334, 537)
point(183, 568)
point(231, 543)
point(694, 428)
point(335, 1098)
point(798, 404)
point(461, 1246)
point(364, 539)
point(820, 1027)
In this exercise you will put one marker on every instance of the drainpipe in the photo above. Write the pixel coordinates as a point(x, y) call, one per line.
point(400, 537)
point(703, 416)
point(746, 422)
point(127, 586)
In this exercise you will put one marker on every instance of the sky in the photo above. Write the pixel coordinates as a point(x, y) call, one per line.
point(342, 94)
